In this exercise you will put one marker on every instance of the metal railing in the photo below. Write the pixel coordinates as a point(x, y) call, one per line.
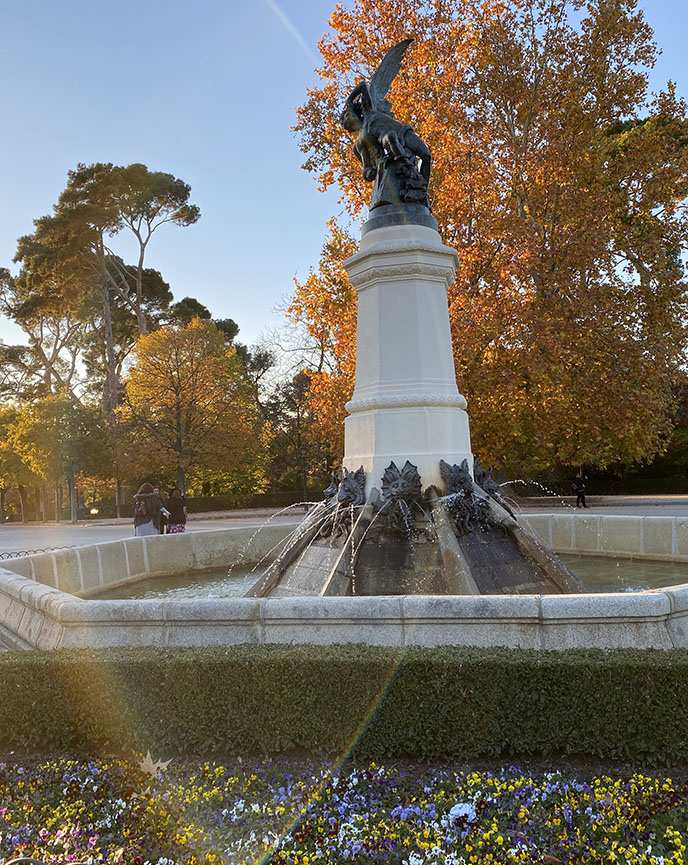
point(18, 554)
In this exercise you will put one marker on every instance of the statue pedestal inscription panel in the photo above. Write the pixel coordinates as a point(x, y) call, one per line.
point(406, 405)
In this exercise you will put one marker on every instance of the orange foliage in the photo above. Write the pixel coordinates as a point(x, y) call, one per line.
point(326, 305)
point(559, 184)
point(189, 406)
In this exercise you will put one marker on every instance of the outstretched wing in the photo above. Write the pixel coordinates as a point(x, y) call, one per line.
point(386, 72)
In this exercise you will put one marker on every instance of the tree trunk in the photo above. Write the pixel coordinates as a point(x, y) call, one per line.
point(22, 503)
point(139, 293)
point(58, 502)
point(181, 478)
point(73, 504)
point(118, 497)
point(2, 504)
point(110, 393)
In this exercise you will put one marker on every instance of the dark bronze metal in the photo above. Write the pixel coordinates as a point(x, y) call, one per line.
point(467, 510)
point(345, 493)
point(391, 153)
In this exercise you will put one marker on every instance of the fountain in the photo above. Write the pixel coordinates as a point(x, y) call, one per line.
point(413, 545)
point(410, 512)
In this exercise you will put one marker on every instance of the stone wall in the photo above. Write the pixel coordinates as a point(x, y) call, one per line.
point(664, 538)
point(86, 570)
point(36, 611)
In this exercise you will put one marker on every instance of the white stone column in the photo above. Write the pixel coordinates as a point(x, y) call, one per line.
point(406, 404)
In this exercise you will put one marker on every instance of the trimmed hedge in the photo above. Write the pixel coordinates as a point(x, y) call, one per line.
point(372, 702)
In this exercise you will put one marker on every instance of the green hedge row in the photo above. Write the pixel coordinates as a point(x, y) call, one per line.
point(445, 703)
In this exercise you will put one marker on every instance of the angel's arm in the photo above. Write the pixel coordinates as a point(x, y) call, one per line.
point(361, 89)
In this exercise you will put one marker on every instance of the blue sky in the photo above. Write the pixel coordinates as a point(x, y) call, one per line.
point(205, 91)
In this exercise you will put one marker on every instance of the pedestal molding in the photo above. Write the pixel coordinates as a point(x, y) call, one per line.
point(391, 247)
point(405, 400)
point(412, 269)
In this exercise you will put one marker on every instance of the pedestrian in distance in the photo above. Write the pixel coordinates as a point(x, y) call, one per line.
point(176, 505)
point(148, 508)
point(578, 487)
point(163, 518)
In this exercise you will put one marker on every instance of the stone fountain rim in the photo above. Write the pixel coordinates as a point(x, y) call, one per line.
point(38, 615)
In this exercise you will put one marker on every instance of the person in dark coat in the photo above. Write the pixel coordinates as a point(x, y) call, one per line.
point(147, 510)
point(176, 505)
point(162, 520)
point(578, 487)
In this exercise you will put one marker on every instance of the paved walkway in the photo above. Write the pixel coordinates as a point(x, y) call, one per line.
point(16, 537)
point(667, 506)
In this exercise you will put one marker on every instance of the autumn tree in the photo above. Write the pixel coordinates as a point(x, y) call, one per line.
point(112, 198)
point(55, 439)
point(562, 184)
point(325, 304)
point(14, 472)
point(190, 407)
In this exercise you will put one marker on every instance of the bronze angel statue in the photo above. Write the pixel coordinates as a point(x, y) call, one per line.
point(391, 153)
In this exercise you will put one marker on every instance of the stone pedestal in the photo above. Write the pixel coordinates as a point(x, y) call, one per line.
point(406, 405)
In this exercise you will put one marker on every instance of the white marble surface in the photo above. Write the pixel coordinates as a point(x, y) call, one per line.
point(406, 404)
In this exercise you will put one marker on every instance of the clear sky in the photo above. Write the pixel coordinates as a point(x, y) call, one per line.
point(205, 91)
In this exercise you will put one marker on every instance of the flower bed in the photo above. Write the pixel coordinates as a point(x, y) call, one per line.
point(119, 812)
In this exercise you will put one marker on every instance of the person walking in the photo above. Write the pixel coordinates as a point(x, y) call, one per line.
point(578, 487)
point(147, 510)
point(176, 505)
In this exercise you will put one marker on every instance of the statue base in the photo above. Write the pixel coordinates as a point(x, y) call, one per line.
point(399, 183)
point(389, 531)
point(406, 405)
point(386, 215)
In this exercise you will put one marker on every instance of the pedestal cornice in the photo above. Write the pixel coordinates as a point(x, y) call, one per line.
point(393, 259)
point(405, 400)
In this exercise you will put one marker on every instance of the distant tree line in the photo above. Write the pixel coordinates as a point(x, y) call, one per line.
point(115, 382)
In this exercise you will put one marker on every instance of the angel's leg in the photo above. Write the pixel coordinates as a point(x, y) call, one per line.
point(418, 147)
point(367, 153)
point(390, 141)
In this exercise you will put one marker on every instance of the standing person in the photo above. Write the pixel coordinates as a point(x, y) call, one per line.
point(163, 519)
point(578, 486)
point(176, 505)
point(147, 510)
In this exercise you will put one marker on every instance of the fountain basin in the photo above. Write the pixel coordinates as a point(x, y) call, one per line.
point(39, 606)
